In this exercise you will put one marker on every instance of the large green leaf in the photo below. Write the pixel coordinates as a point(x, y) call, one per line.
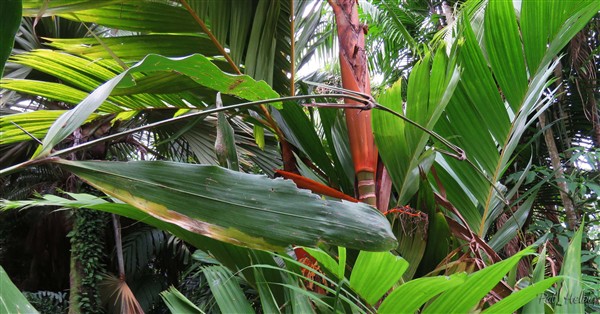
point(374, 273)
point(9, 25)
point(11, 299)
point(197, 67)
point(238, 208)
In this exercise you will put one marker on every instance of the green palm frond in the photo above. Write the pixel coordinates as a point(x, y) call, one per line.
point(504, 114)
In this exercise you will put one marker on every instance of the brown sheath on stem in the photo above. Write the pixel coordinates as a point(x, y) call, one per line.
point(355, 77)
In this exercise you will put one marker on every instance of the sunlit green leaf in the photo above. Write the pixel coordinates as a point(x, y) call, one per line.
point(409, 297)
point(36, 123)
point(519, 298)
point(507, 58)
point(463, 298)
point(374, 273)
point(139, 16)
point(137, 47)
point(402, 146)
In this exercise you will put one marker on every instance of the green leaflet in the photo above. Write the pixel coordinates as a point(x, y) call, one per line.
point(226, 290)
point(177, 302)
point(34, 122)
point(137, 47)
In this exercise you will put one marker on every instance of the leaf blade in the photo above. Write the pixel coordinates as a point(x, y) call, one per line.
point(234, 207)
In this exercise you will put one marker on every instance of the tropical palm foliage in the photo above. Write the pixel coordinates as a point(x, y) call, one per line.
point(170, 113)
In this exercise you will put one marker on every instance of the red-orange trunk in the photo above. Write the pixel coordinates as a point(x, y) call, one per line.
point(355, 77)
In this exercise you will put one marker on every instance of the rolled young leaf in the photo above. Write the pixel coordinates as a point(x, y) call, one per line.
point(225, 141)
point(243, 209)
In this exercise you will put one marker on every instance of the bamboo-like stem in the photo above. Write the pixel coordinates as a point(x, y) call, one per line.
point(366, 187)
point(355, 77)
